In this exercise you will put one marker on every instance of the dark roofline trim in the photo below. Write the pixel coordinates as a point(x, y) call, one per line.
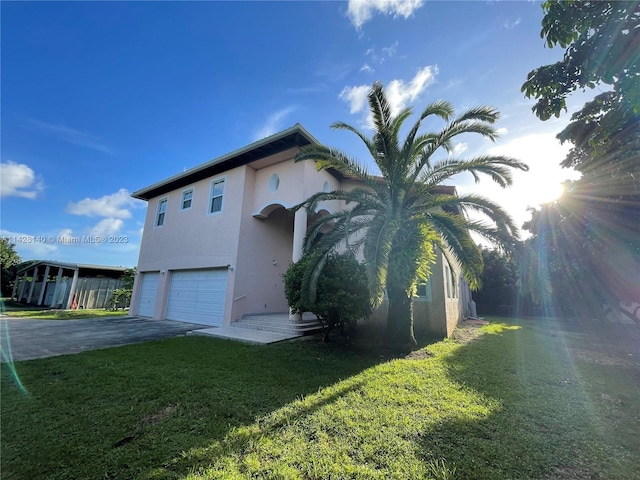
point(69, 266)
point(295, 136)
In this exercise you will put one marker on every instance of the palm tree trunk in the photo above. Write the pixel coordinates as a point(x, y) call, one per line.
point(399, 335)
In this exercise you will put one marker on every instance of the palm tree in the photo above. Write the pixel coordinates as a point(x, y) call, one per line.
point(401, 216)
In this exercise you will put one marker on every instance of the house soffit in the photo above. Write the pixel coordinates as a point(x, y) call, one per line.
point(293, 137)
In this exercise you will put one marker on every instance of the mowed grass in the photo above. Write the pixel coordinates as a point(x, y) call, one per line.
point(17, 310)
point(513, 400)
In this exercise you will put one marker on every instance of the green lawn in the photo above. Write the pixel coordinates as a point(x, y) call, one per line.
point(523, 400)
point(18, 310)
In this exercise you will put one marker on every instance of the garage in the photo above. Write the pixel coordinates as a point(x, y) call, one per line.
point(148, 292)
point(197, 296)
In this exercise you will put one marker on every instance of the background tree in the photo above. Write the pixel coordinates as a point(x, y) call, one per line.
point(602, 47)
point(342, 296)
point(399, 217)
point(591, 235)
point(121, 297)
point(10, 261)
point(499, 291)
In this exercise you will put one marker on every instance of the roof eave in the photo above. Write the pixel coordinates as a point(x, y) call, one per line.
point(160, 187)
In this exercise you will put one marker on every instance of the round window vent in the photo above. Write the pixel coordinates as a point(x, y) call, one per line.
point(326, 188)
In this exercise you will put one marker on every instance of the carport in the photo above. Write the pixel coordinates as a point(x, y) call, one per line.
point(66, 285)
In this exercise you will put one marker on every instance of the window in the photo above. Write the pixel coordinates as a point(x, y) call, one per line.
point(454, 284)
point(423, 291)
point(217, 192)
point(451, 283)
point(162, 210)
point(274, 183)
point(187, 199)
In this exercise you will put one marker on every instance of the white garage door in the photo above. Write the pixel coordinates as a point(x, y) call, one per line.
point(148, 292)
point(197, 296)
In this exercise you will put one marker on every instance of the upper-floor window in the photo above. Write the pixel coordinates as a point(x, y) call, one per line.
point(162, 211)
point(217, 194)
point(187, 199)
point(274, 183)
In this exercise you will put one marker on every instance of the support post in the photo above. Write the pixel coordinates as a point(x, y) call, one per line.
point(299, 231)
point(57, 289)
point(33, 284)
point(44, 285)
point(23, 285)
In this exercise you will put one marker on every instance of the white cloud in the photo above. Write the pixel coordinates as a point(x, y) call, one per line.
point(459, 148)
point(18, 180)
point(71, 135)
point(401, 94)
point(116, 205)
point(361, 11)
point(385, 52)
point(390, 50)
point(356, 97)
point(366, 68)
point(513, 24)
point(273, 123)
point(502, 131)
point(107, 226)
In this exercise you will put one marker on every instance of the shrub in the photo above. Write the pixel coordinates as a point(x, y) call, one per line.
point(342, 293)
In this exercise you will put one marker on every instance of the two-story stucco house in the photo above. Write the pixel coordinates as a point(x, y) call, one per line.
point(218, 237)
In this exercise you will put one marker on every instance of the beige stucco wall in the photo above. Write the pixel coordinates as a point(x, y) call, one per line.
point(265, 244)
point(297, 182)
point(192, 238)
point(264, 247)
point(256, 250)
point(435, 318)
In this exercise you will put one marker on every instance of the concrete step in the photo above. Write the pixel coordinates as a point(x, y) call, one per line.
point(278, 329)
point(245, 335)
point(271, 322)
point(280, 323)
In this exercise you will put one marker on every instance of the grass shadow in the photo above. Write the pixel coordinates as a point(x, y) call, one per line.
point(514, 402)
point(544, 422)
point(124, 412)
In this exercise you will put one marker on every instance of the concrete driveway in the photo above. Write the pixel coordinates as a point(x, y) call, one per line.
point(27, 339)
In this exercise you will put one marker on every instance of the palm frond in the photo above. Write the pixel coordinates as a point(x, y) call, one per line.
point(309, 284)
point(490, 209)
point(326, 157)
point(482, 113)
point(440, 108)
point(377, 248)
point(498, 167)
point(357, 195)
point(399, 120)
point(380, 107)
point(455, 235)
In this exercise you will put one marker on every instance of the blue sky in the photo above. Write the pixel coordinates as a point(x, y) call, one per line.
point(102, 99)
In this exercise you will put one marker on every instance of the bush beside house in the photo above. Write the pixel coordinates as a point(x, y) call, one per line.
point(342, 295)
